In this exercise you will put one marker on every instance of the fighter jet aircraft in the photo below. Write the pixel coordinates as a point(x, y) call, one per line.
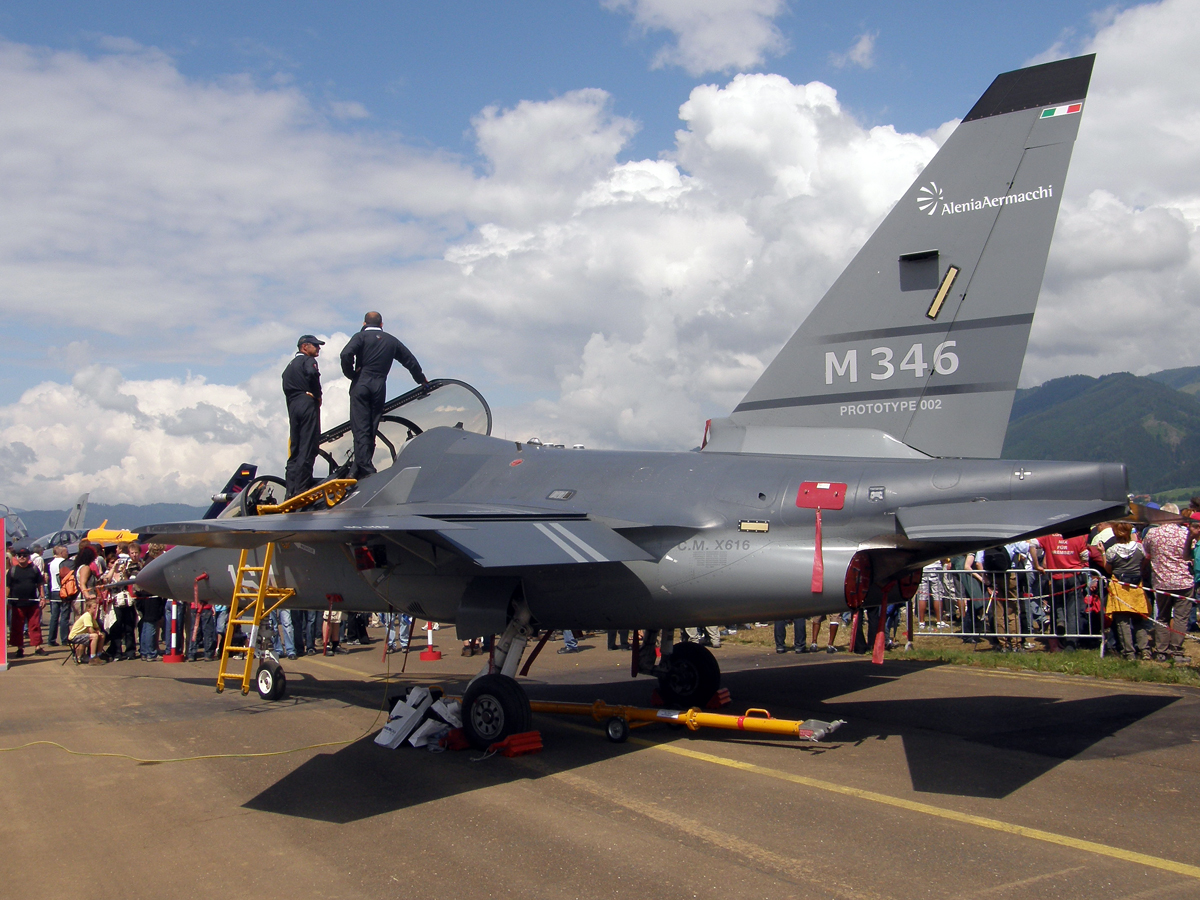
point(14, 528)
point(868, 447)
point(69, 535)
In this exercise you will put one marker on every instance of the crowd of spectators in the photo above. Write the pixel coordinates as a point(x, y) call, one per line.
point(1132, 588)
point(88, 602)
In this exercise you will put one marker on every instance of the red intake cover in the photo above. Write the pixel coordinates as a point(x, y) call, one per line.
point(858, 580)
point(908, 584)
point(821, 494)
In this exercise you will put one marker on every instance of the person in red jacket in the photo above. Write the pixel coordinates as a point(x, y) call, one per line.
point(1062, 559)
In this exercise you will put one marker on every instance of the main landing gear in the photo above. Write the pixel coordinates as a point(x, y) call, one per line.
point(495, 706)
point(688, 676)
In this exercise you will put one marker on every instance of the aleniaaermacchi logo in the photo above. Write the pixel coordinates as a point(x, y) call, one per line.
point(930, 200)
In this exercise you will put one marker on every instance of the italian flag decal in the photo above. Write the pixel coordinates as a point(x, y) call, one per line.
point(1061, 110)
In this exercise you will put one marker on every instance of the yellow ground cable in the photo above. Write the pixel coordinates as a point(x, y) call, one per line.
point(260, 755)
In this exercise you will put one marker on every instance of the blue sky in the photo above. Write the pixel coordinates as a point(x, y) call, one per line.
point(420, 73)
point(606, 214)
point(425, 69)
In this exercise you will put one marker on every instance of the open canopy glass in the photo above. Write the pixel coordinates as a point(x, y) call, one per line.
point(443, 402)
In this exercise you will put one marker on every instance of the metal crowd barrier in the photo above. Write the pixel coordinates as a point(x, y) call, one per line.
point(1012, 608)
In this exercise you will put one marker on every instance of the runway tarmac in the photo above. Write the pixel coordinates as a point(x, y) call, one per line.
point(947, 782)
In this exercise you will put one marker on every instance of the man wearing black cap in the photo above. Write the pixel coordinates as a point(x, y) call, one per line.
point(366, 361)
point(26, 597)
point(302, 388)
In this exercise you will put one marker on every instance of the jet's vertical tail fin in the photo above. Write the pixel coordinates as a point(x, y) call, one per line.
point(238, 481)
point(77, 514)
point(921, 339)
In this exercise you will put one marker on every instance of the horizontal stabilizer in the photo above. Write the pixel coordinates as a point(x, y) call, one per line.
point(1001, 520)
point(544, 543)
point(809, 440)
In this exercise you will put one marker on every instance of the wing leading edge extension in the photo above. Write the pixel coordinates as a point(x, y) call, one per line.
point(490, 541)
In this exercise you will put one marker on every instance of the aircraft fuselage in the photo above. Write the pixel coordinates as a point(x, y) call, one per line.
point(727, 539)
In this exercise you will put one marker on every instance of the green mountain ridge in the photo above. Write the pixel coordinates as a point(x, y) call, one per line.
point(1150, 423)
point(1186, 379)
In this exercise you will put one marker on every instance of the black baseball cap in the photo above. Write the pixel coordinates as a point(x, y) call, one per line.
point(309, 339)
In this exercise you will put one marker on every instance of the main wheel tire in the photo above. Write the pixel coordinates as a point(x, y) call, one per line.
point(270, 680)
point(493, 708)
point(692, 677)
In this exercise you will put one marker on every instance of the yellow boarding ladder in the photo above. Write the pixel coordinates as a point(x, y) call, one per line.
point(248, 608)
point(252, 595)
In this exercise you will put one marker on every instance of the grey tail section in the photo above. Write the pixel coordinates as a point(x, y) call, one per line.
point(77, 514)
point(919, 343)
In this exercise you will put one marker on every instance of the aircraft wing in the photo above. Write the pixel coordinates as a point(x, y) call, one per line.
point(490, 539)
point(1001, 520)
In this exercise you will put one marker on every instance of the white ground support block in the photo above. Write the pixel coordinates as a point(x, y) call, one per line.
point(428, 733)
point(450, 712)
point(406, 716)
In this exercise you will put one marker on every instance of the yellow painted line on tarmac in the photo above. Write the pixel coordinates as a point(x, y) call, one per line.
point(1036, 834)
point(358, 673)
point(335, 666)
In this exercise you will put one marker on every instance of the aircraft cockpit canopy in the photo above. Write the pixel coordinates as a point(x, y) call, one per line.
point(443, 402)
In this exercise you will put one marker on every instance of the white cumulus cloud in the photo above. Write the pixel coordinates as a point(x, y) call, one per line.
point(710, 35)
point(1122, 289)
point(147, 441)
point(861, 53)
point(591, 298)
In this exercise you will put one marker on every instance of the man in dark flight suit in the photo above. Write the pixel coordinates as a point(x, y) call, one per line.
point(366, 361)
point(302, 388)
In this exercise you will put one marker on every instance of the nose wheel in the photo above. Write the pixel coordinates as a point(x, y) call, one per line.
point(270, 680)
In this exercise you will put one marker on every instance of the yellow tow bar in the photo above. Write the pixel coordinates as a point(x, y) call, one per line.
point(619, 719)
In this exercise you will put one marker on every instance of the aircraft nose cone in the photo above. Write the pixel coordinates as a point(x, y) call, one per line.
point(153, 579)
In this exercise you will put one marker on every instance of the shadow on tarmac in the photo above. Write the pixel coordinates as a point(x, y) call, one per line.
point(1018, 736)
point(1034, 732)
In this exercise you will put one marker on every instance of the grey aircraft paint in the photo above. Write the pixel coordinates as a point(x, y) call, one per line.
point(462, 523)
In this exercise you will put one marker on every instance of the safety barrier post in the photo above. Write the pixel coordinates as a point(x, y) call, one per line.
point(429, 653)
point(173, 632)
